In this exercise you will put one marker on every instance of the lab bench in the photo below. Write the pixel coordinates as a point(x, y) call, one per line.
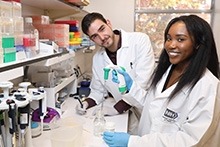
point(88, 139)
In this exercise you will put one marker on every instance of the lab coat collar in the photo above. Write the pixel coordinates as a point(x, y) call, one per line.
point(107, 61)
point(124, 39)
point(124, 44)
point(167, 92)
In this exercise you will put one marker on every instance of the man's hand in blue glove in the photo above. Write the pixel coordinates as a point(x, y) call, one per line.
point(116, 139)
point(127, 77)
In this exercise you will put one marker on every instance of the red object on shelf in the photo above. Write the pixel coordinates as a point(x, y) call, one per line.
point(69, 22)
point(19, 1)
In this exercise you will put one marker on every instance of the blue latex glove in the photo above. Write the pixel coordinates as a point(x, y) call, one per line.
point(116, 139)
point(127, 77)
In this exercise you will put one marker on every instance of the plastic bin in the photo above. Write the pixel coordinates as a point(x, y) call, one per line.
point(9, 57)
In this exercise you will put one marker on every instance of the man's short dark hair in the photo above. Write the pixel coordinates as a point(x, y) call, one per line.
point(90, 18)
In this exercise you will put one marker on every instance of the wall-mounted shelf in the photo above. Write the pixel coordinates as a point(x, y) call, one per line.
point(64, 83)
point(54, 8)
point(16, 64)
point(55, 60)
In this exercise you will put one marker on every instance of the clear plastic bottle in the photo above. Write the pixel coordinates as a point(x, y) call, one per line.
point(99, 123)
point(31, 38)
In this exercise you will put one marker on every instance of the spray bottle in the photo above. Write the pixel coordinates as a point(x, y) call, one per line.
point(122, 85)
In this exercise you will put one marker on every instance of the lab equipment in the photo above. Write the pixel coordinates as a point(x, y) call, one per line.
point(116, 138)
point(23, 114)
point(12, 122)
point(23, 121)
point(126, 76)
point(2, 126)
point(2, 129)
point(5, 87)
point(109, 126)
point(121, 81)
point(51, 114)
point(99, 123)
point(25, 85)
point(1, 139)
point(42, 106)
point(31, 38)
point(35, 129)
point(46, 123)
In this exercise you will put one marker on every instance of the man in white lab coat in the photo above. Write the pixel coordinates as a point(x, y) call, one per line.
point(131, 50)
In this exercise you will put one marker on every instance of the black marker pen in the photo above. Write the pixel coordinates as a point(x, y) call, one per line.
point(131, 65)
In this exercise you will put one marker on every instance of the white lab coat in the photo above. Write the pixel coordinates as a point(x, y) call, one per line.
point(188, 117)
point(135, 55)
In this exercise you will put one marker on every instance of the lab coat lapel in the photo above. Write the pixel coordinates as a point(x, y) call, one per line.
point(106, 61)
point(160, 85)
point(166, 93)
point(123, 51)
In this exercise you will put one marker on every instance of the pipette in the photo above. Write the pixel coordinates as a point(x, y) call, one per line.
point(2, 129)
point(121, 85)
point(12, 121)
point(23, 122)
point(103, 97)
point(2, 126)
point(42, 106)
point(5, 87)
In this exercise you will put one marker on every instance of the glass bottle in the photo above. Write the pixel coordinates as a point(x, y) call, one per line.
point(31, 38)
point(99, 123)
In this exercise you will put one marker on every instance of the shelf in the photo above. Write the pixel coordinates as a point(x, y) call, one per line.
point(11, 74)
point(64, 83)
point(16, 64)
point(54, 8)
point(55, 60)
point(69, 82)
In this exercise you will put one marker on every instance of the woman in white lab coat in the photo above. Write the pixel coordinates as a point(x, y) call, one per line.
point(182, 104)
